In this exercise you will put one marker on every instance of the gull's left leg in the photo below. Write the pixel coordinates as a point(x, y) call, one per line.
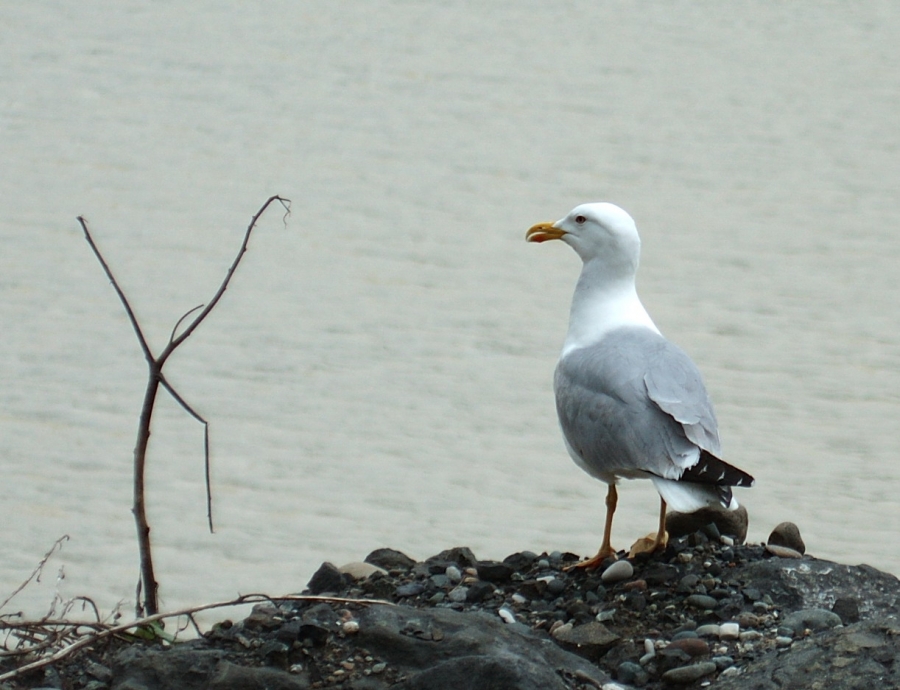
point(652, 542)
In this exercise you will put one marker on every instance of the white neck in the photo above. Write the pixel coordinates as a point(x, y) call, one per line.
point(601, 304)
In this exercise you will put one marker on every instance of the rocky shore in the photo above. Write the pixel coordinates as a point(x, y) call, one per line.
point(704, 613)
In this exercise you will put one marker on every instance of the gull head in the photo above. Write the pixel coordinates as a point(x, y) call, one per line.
point(598, 231)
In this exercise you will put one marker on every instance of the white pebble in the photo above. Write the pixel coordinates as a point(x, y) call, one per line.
point(350, 627)
point(519, 599)
point(685, 557)
point(708, 630)
point(618, 571)
point(452, 572)
point(649, 647)
point(646, 659)
point(729, 631)
point(782, 641)
point(730, 671)
point(728, 541)
point(750, 635)
point(507, 615)
point(612, 686)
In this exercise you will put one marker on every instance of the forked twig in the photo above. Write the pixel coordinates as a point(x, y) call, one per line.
point(36, 573)
point(148, 584)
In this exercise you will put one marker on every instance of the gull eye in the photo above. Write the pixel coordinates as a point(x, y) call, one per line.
point(580, 220)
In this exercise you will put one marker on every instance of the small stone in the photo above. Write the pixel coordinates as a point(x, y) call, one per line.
point(519, 598)
point(701, 601)
point(631, 673)
point(687, 584)
point(390, 559)
point(606, 615)
point(782, 551)
point(458, 594)
point(521, 560)
point(411, 589)
point(847, 609)
point(360, 570)
point(709, 630)
point(646, 659)
point(750, 636)
point(543, 563)
point(730, 671)
point(460, 555)
point(494, 571)
point(693, 646)
point(782, 641)
point(479, 591)
point(378, 668)
point(685, 557)
point(507, 615)
point(635, 586)
point(556, 586)
point(787, 534)
point(618, 571)
point(688, 674)
point(326, 579)
point(649, 647)
point(98, 671)
point(350, 627)
point(814, 619)
point(722, 662)
point(729, 631)
point(685, 635)
point(589, 640)
point(453, 573)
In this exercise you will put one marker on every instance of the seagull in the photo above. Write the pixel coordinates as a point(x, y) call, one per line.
point(631, 403)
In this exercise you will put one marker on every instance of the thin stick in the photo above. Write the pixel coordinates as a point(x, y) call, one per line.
point(36, 573)
point(114, 630)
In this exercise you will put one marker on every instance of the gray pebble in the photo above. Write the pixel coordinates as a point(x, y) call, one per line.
point(440, 580)
point(556, 586)
point(606, 615)
point(618, 571)
point(631, 673)
point(410, 589)
point(453, 573)
point(379, 667)
point(555, 556)
point(688, 674)
point(685, 635)
point(701, 601)
point(543, 563)
point(722, 662)
point(782, 641)
point(782, 551)
point(458, 594)
point(750, 636)
point(814, 619)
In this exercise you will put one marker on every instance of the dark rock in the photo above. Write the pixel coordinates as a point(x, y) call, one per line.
point(787, 534)
point(861, 656)
point(494, 571)
point(590, 640)
point(326, 579)
point(520, 561)
point(475, 651)
point(390, 559)
point(478, 591)
point(460, 555)
point(556, 586)
point(730, 522)
point(670, 658)
point(847, 609)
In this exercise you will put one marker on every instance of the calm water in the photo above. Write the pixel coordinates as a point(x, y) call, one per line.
point(379, 373)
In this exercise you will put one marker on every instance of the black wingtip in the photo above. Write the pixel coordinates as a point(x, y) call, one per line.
point(711, 470)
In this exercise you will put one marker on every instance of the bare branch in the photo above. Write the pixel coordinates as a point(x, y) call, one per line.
point(195, 415)
point(221, 291)
point(131, 317)
point(178, 323)
point(36, 573)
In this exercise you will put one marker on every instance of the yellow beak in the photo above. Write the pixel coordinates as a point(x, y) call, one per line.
point(543, 232)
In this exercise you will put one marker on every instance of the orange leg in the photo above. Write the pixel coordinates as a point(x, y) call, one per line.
point(652, 543)
point(612, 498)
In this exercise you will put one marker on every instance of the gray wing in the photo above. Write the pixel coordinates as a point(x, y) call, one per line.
point(634, 403)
